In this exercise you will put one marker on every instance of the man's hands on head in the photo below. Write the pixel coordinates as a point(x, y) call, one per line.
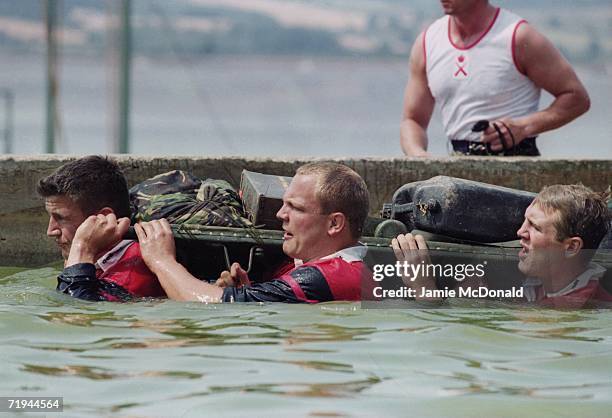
point(98, 233)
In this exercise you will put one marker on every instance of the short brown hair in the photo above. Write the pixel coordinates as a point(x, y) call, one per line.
point(581, 212)
point(92, 182)
point(340, 189)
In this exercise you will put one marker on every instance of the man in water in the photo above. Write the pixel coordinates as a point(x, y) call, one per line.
point(323, 213)
point(78, 195)
point(563, 227)
point(484, 64)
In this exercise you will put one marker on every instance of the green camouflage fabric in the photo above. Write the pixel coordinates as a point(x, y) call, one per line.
point(211, 203)
point(176, 181)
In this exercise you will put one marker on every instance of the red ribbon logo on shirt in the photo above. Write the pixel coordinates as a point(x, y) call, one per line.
point(461, 63)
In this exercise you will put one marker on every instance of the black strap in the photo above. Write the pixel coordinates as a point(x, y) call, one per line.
point(526, 147)
point(501, 138)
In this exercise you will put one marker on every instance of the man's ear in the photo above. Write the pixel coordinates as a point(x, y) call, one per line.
point(337, 223)
point(105, 211)
point(573, 246)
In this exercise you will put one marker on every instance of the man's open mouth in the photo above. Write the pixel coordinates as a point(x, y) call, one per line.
point(523, 252)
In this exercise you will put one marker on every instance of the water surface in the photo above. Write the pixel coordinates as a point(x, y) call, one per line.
point(163, 358)
point(257, 106)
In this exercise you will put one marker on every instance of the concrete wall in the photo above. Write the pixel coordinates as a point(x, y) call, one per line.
point(23, 220)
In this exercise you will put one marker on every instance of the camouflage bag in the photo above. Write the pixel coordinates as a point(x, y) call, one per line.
point(184, 199)
point(176, 181)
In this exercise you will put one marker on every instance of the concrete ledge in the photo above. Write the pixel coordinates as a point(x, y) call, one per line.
point(23, 220)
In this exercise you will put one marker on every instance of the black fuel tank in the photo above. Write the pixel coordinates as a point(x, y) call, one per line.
point(463, 209)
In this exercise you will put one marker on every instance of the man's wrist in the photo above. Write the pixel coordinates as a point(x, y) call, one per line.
point(419, 153)
point(80, 253)
point(525, 130)
point(163, 265)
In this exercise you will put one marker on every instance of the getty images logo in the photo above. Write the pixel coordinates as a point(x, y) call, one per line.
point(412, 271)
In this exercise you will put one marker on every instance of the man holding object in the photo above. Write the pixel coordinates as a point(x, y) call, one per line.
point(88, 194)
point(484, 64)
point(562, 229)
point(323, 213)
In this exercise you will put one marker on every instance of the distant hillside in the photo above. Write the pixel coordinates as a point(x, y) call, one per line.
point(581, 28)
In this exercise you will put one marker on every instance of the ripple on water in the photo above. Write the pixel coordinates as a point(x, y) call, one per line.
point(164, 358)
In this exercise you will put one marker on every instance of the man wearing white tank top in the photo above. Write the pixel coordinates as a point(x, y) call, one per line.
point(485, 67)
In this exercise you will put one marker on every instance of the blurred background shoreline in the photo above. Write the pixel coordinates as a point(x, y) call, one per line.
point(264, 78)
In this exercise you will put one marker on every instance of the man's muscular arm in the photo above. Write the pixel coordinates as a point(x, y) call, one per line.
point(539, 60)
point(418, 105)
point(159, 253)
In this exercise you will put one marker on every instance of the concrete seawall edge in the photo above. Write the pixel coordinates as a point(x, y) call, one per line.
point(23, 220)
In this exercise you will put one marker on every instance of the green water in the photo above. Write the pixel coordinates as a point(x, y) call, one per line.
point(162, 358)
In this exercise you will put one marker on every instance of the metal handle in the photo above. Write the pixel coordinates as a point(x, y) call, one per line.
point(228, 263)
point(403, 208)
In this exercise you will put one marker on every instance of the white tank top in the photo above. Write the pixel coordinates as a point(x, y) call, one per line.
point(478, 82)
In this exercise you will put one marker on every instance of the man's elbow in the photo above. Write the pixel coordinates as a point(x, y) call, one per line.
point(585, 103)
point(581, 101)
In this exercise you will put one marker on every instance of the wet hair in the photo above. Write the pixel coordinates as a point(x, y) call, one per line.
point(92, 182)
point(581, 212)
point(340, 189)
